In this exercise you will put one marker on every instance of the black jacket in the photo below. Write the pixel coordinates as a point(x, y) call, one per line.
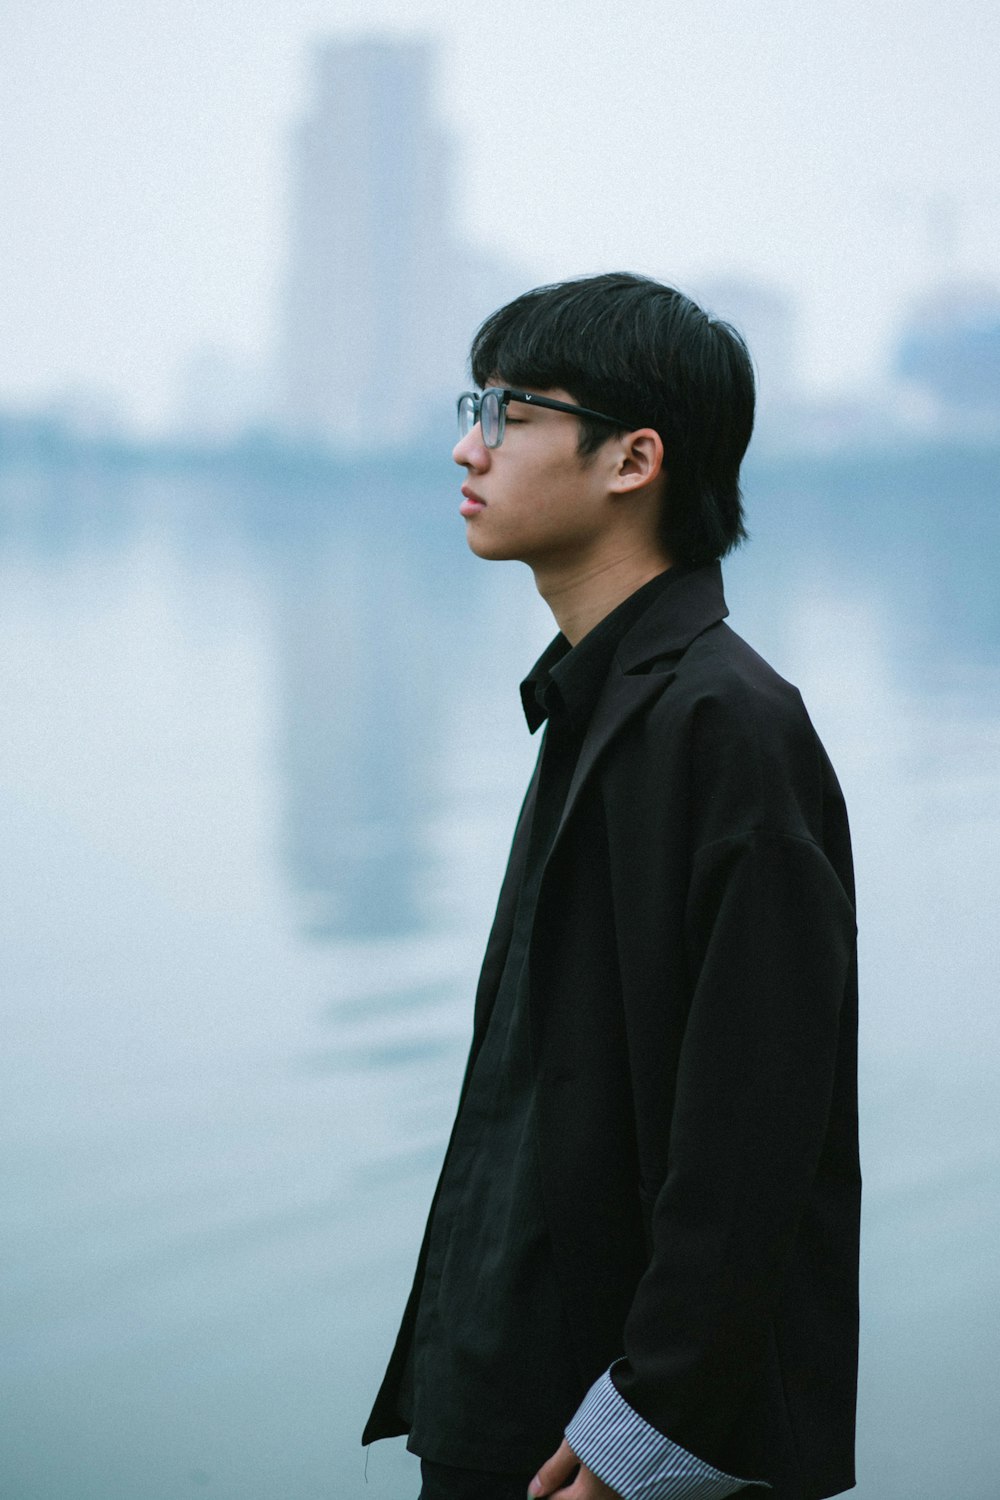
point(703, 860)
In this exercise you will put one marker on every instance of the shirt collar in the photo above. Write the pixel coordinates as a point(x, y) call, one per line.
point(567, 680)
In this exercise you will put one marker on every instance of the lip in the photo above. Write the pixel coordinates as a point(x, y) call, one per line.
point(472, 504)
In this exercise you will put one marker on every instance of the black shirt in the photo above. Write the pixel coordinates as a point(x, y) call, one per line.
point(491, 1380)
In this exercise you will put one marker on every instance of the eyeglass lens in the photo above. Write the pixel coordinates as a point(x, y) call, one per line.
point(489, 417)
point(488, 411)
point(466, 415)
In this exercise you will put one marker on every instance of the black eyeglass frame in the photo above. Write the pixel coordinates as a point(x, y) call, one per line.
point(506, 394)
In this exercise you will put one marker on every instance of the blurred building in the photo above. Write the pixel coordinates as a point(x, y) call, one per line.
point(766, 319)
point(949, 354)
point(86, 412)
point(218, 396)
point(380, 295)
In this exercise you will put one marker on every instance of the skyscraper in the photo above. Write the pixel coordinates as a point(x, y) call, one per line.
point(379, 294)
point(949, 349)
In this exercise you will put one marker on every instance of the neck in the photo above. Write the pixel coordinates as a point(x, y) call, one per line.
point(581, 595)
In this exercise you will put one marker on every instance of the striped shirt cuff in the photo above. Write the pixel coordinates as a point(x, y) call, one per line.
point(611, 1438)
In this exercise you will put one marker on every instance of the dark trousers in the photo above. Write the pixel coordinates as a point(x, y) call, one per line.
point(442, 1482)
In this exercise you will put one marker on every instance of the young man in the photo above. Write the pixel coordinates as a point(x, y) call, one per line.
point(639, 1274)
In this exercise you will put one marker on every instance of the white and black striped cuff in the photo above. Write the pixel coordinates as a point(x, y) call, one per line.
point(621, 1448)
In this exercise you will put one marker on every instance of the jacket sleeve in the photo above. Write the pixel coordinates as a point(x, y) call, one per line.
point(770, 941)
point(637, 1461)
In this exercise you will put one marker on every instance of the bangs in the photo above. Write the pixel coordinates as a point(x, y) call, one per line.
point(567, 336)
point(516, 345)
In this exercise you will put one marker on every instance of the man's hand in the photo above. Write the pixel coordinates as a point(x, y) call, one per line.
point(553, 1479)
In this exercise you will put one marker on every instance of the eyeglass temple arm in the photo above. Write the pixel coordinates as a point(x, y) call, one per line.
point(582, 411)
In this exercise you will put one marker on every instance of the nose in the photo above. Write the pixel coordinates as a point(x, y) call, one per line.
point(471, 452)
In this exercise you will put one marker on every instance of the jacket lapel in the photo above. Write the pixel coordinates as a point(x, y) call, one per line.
point(641, 670)
point(642, 666)
point(621, 697)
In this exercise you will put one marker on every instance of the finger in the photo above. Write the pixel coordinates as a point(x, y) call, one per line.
point(555, 1472)
point(585, 1486)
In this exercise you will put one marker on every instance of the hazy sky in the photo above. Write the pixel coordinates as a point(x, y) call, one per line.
point(845, 151)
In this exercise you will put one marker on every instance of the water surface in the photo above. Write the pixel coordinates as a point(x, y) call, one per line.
point(261, 756)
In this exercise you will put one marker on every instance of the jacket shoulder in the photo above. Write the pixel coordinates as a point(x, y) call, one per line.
point(724, 684)
point(722, 664)
point(751, 757)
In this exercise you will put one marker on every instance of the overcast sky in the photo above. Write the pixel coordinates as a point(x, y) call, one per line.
point(848, 152)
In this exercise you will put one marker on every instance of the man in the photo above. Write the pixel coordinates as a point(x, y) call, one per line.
point(639, 1274)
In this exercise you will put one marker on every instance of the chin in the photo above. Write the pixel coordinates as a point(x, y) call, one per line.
point(492, 549)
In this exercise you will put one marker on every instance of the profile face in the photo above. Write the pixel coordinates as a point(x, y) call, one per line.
point(533, 499)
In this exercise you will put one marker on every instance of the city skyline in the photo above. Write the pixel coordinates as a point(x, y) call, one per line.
point(846, 166)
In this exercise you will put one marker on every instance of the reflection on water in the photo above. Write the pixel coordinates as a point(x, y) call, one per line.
point(262, 754)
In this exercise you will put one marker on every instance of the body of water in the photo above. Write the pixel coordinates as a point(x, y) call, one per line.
point(261, 755)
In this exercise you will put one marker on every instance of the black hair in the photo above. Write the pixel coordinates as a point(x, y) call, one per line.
point(633, 348)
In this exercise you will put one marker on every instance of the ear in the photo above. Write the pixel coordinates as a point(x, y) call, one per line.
point(639, 460)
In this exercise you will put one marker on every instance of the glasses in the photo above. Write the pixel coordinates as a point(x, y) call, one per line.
point(490, 410)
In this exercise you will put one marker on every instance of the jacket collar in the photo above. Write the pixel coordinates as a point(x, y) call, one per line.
point(691, 604)
point(568, 679)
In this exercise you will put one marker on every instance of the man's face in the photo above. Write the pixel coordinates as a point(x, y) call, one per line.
point(534, 498)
